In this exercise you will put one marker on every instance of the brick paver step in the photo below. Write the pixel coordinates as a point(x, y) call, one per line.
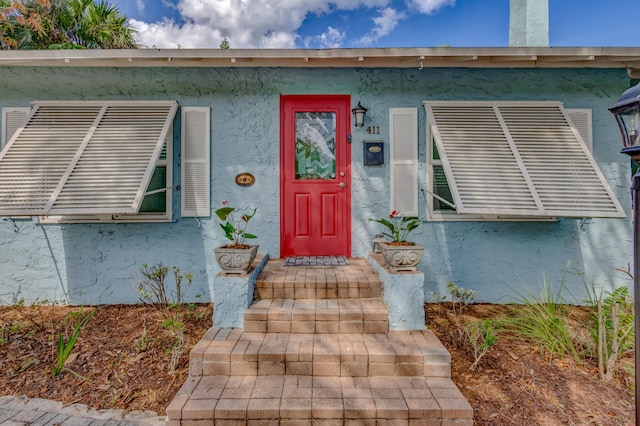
point(356, 280)
point(317, 316)
point(303, 400)
point(235, 352)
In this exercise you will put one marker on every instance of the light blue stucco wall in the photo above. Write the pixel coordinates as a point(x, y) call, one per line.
point(96, 263)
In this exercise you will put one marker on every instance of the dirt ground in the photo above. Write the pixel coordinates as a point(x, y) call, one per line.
point(123, 356)
point(517, 384)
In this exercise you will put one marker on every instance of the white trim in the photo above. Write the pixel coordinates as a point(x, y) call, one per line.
point(403, 160)
point(515, 159)
point(195, 169)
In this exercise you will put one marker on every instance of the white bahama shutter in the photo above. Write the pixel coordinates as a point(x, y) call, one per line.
point(403, 159)
point(196, 162)
point(83, 157)
point(518, 158)
point(12, 120)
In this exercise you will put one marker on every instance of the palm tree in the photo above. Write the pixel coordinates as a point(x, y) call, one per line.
point(63, 24)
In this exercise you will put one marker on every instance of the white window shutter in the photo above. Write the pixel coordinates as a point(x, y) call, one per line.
point(518, 158)
point(403, 159)
point(581, 118)
point(83, 157)
point(196, 162)
point(12, 120)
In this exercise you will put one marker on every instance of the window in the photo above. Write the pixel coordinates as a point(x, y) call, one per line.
point(158, 199)
point(510, 160)
point(91, 160)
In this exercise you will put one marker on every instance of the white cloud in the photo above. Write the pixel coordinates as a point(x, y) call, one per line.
point(428, 7)
point(332, 38)
point(384, 24)
point(140, 7)
point(245, 23)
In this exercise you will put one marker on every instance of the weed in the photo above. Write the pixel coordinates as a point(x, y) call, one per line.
point(176, 351)
point(142, 342)
point(65, 346)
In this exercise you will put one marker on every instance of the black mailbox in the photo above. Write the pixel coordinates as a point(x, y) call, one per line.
point(373, 153)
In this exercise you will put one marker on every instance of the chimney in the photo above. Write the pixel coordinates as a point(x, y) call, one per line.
point(529, 23)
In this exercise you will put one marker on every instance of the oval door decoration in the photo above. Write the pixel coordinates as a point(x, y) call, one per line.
point(245, 179)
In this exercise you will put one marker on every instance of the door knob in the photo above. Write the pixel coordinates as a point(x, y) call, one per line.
point(342, 185)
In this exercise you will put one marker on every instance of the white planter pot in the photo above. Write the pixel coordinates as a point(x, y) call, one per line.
point(235, 260)
point(401, 258)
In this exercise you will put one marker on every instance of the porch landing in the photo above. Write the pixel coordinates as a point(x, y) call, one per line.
point(316, 349)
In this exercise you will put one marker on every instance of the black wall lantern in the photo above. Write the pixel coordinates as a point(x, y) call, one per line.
point(358, 115)
point(627, 113)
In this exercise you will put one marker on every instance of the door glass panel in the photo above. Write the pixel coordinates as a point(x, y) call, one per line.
point(316, 145)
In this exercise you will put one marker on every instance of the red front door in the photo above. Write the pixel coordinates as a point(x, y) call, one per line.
point(315, 175)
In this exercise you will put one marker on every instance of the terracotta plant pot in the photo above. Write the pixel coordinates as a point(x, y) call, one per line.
point(401, 257)
point(235, 260)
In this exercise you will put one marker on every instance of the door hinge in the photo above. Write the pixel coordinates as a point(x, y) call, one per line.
point(349, 138)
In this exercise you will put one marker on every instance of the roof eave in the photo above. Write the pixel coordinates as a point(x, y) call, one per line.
point(475, 57)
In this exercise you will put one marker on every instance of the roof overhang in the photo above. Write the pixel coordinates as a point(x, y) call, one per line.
point(449, 57)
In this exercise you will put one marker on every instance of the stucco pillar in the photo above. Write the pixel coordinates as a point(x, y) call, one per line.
point(404, 295)
point(233, 294)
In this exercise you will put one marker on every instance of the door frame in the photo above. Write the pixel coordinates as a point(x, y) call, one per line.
point(346, 137)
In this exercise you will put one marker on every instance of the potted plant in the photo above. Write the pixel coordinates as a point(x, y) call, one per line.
point(237, 256)
point(400, 254)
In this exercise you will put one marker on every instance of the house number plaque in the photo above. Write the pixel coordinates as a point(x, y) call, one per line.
point(245, 179)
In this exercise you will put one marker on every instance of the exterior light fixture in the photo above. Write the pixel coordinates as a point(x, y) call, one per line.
point(627, 113)
point(358, 115)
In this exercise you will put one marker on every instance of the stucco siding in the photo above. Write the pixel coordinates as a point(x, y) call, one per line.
point(97, 263)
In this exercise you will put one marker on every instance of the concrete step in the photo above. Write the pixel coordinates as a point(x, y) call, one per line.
point(236, 352)
point(300, 400)
point(317, 316)
point(357, 280)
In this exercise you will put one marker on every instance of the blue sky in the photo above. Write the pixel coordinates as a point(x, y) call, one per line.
point(371, 23)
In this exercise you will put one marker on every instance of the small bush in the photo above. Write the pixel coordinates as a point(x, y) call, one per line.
point(611, 326)
point(482, 337)
point(460, 296)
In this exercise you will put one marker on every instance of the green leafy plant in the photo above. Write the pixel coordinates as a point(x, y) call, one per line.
point(542, 319)
point(65, 346)
point(153, 291)
point(482, 337)
point(612, 326)
point(460, 296)
point(235, 227)
point(398, 227)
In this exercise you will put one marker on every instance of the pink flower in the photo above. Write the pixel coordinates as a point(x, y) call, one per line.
point(394, 214)
point(225, 203)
